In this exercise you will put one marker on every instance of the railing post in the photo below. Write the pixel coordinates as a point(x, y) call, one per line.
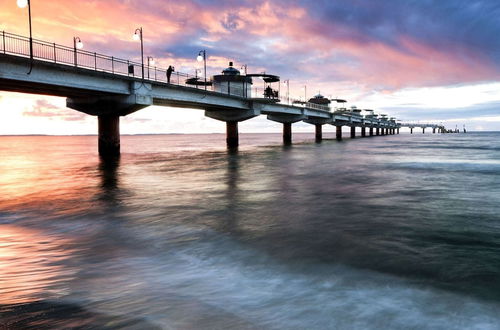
point(55, 53)
point(178, 80)
point(95, 61)
point(128, 66)
point(3, 37)
point(112, 64)
point(155, 74)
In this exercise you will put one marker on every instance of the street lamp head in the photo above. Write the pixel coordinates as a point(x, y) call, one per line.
point(137, 34)
point(22, 3)
point(201, 56)
point(78, 43)
point(151, 60)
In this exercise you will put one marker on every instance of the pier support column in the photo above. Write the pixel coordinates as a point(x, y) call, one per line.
point(423, 130)
point(434, 130)
point(338, 133)
point(371, 131)
point(363, 131)
point(411, 130)
point(287, 133)
point(319, 132)
point(353, 132)
point(231, 118)
point(382, 131)
point(377, 131)
point(397, 130)
point(232, 137)
point(109, 136)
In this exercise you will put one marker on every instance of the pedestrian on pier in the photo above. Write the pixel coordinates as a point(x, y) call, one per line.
point(169, 72)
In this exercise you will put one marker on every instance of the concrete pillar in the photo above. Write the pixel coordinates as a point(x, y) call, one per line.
point(287, 133)
point(434, 130)
point(363, 131)
point(382, 131)
point(371, 131)
point(398, 130)
point(353, 132)
point(377, 131)
point(411, 130)
point(109, 135)
point(319, 132)
point(339, 133)
point(423, 130)
point(232, 138)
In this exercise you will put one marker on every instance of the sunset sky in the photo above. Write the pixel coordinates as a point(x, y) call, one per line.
point(417, 60)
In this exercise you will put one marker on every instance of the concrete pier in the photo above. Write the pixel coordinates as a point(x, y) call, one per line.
point(338, 133)
point(398, 130)
point(377, 131)
point(423, 130)
point(109, 136)
point(363, 131)
point(232, 136)
point(411, 130)
point(287, 133)
point(371, 131)
point(319, 132)
point(353, 132)
point(434, 130)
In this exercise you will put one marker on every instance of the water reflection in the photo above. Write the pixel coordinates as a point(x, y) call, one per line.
point(108, 174)
point(33, 265)
point(229, 220)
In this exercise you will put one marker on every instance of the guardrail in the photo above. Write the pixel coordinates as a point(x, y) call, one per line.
point(13, 44)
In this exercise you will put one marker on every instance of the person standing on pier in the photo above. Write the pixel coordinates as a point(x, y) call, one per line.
point(169, 72)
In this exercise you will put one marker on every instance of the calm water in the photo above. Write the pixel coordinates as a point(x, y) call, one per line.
point(395, 232)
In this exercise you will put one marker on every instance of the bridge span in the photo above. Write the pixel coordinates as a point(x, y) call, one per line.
point(108, 87)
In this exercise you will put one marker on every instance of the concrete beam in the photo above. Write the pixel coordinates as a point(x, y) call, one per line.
point(285, 118)
point(114, 105)
point(231, 115)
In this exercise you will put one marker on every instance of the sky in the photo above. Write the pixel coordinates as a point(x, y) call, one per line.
point(417, 60)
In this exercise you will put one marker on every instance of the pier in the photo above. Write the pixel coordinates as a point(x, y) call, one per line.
point(109, 88)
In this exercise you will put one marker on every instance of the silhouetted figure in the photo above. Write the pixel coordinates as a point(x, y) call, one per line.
point(268, 92)
point(275, 94)
point(169, 72)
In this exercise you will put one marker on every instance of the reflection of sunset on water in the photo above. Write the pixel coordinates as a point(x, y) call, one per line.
point(31, 266)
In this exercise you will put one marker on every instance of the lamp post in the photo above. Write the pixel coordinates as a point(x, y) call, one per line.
point(287, 83)
point(23, 4)
point(196, 71)
point(138, 36)
point(151, 61)
point(202, 56)
point(77, 44)
point(245, 67)
point(305, 93)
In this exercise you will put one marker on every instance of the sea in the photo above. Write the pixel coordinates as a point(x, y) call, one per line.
point(387, 232)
